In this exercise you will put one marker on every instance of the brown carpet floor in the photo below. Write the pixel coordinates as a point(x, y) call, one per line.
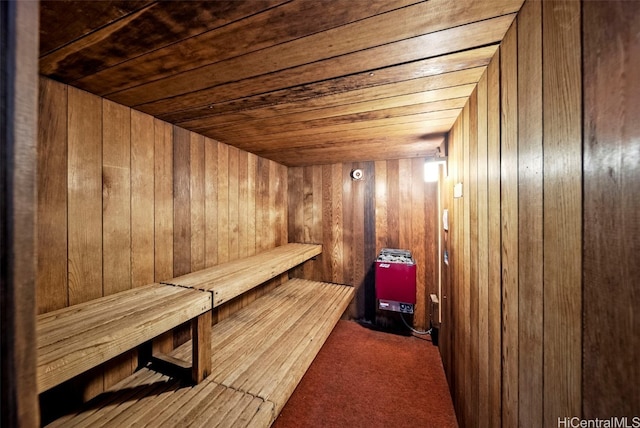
point(367, 378)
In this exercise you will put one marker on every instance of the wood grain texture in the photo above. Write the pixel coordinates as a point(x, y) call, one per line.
point(161, 193)
point(84, 124)
point(18, 211)
point(473, 256)
point(495, 237)
point(196, 200)
point(142, 199)
point(611, 175)
point(220, 43)
point(458, 68)
point(232, 203)
point(509, 214)
point(211, 201)
point(229, 280)
point(243, 204)
point(116, 197)
point(337, 72)
point(252, 186)
point(327, 208)
point(181, 202)
point(69, 28)
point(347, 226)
point(51, 279)
point(223, 203)
point(116, 217)
point(531, 213)
point(163, 200)
point(264, 350)
point(133, 318)
point(562, 88)
point(149, 24)
point(483, 252)
point(84, 201)
point(421, 221)
point(359, 43)
point(163, 215)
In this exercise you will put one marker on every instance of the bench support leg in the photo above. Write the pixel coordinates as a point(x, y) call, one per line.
point(201, 347)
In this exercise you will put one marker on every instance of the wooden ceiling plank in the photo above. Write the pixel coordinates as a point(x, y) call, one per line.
point(397, 148)
point(59, 27)
point(284, 126)
point(464, 78)
point(439, 99)
point(436, 72)
point(411, 137)
point(262, 72)
point(289, 21)
point(148, 30)
point(337, 125)
point(424, 127)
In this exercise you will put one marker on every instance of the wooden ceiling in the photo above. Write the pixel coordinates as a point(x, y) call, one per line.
point(299, 82)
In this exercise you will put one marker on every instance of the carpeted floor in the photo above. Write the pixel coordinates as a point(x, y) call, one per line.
point(367, 378)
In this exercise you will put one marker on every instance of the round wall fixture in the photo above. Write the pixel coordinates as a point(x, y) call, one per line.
point(356, 174)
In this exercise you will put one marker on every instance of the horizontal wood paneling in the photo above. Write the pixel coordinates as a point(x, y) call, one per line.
point(391, 207)
point(144, 204)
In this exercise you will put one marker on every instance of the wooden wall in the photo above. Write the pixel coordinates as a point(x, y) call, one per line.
point(611, 272)
point(391, 207)
point(125, 200)
point(539, 293)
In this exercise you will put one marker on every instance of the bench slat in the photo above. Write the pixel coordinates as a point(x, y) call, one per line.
point(278, 340)
point(84, 345)
point(229, 280)
point(101, 317)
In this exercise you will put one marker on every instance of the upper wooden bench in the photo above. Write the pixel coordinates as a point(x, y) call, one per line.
point(75, 339)
point(228, 280)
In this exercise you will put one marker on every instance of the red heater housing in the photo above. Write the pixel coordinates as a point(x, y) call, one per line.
point(395, 272)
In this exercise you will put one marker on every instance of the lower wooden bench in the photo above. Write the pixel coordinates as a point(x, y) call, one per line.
point(80, 337)
point(259, 355)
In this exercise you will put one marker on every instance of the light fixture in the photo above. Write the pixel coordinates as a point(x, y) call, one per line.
point(432, 168)
point(356, 174)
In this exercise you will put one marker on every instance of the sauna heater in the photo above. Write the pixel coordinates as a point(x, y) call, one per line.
point(395, 276)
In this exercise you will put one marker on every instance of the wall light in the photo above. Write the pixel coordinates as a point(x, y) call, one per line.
point(432, 168)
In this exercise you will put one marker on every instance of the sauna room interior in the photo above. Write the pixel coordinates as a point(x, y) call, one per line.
point(146, 144)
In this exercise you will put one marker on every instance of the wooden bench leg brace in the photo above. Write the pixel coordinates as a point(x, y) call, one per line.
point(200, 357)
point(201, 347)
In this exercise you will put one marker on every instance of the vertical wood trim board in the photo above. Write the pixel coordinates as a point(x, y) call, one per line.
point(84, 196)
point(18, 212)
point(51, 278)
point(116, 197)
point(509, 206)
point(483, 254)
point(494, 242)
point(562, 128)
point(611, 272)
point(531, 212)
point(163, 203)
